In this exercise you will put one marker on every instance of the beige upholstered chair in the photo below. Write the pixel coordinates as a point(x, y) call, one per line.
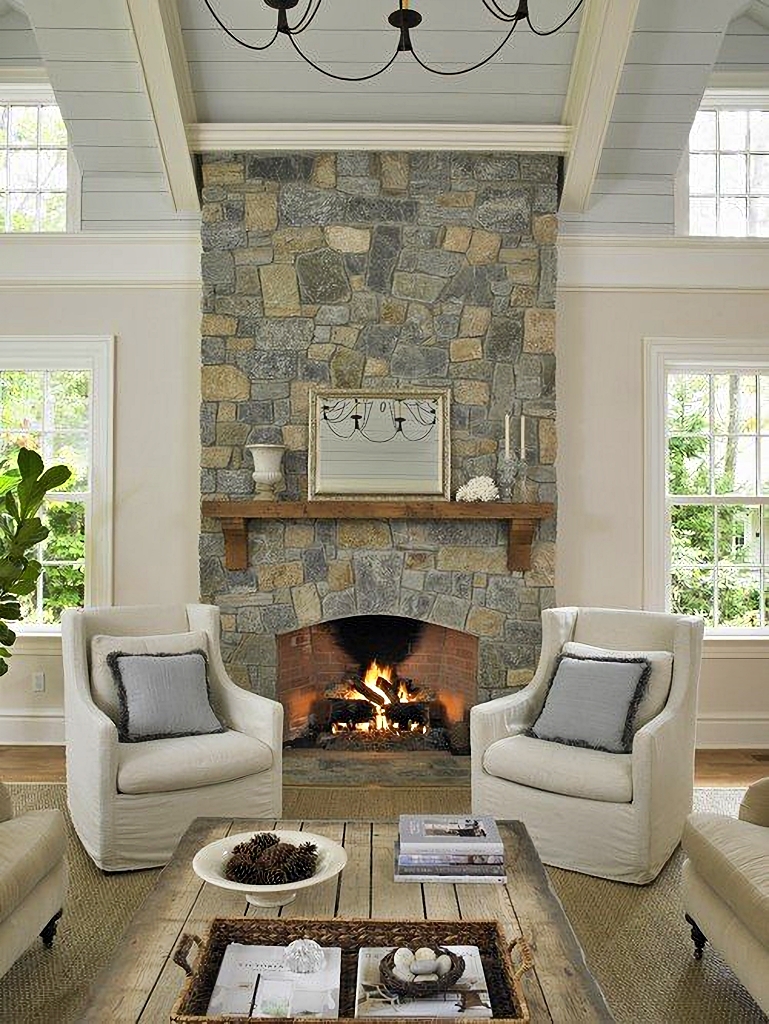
point(33, 878)
point(131, 802)
point(616, 816)
point(726, 888)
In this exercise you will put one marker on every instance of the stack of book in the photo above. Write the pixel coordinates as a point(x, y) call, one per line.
point(449, 848)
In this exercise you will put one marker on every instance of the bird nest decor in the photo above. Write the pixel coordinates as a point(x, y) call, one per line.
point(265, 860)
point(422, 973)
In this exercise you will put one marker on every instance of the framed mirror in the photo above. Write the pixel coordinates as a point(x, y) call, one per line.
point(379, 444)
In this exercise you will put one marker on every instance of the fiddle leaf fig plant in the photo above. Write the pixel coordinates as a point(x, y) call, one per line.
point(22, 491)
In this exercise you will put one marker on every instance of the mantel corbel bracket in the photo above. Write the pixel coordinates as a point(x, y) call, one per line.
point(235, 530)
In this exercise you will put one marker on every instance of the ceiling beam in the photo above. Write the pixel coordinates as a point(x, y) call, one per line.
point(604, 37)
point(149, 28)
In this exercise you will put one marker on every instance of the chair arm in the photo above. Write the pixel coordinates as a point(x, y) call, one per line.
point(755, 804)
point(6, 811)
point(504, 716)
point(92, 749)
point(250, 713)
point(663, 765)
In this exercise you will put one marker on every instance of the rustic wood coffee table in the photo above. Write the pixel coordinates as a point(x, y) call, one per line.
point(141, 983)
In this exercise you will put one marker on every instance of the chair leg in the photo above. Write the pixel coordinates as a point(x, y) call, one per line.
point(49, 932)
point(698, 938)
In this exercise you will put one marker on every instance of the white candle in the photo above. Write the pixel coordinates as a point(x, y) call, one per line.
point(523, 437)
point(507, 435)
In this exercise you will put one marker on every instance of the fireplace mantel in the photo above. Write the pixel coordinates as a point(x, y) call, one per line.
point(522, 519)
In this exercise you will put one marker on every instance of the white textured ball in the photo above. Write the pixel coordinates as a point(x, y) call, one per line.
point(425, 954)
point(480, 488)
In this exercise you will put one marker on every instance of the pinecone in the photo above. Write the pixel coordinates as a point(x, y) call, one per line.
point(275, 864)
point(238, 870)
point(301, 864)
point(257, 844)
point(275, 876)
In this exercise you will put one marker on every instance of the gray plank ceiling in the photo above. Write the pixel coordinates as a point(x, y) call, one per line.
point(526, 84)
point(91, 56)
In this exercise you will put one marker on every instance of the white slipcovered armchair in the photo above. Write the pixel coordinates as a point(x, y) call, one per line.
point(33, 878)
point(617, 816)
point(131, 802)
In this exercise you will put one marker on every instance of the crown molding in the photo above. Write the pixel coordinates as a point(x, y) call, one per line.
point(519, 138)
point(119, 259)
point(666, 264)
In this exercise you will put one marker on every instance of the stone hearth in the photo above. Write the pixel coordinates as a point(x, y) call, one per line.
point(377, 270)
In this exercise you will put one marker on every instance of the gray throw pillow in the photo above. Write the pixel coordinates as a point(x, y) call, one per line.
point(162, 695)
point(592, 702)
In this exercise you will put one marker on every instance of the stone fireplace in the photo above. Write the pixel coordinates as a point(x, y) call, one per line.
point(322, 666)
point(377, 270)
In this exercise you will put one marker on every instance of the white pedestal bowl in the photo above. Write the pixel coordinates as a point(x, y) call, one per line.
point(209, 864)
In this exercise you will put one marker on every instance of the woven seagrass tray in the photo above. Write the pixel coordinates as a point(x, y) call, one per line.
point(502, 976)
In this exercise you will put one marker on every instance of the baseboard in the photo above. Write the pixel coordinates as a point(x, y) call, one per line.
point(31, 726)
point(722, 732)
point(732, 732)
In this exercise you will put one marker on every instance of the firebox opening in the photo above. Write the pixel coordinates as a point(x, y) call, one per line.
point(377, 682)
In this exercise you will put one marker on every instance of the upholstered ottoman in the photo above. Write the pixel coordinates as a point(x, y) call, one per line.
point(726, 888)
point(33, 878)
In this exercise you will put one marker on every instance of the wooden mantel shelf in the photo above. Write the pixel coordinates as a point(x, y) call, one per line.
point(521, 519)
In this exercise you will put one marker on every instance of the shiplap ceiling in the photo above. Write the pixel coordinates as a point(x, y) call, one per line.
point(129, 74)
point(526, 84)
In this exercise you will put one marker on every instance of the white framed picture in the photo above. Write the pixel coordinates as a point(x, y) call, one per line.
point(379, 444)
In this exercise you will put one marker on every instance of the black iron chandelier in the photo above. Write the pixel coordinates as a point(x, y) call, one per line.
point(404, 20)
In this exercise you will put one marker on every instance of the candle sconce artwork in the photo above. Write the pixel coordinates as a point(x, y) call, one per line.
point(379, 444)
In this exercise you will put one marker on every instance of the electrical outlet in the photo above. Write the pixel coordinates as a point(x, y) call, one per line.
point(38, 682)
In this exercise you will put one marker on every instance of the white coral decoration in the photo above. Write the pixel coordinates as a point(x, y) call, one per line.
point(480, 488)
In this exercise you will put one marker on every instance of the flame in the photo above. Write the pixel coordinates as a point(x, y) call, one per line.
point(373, 673)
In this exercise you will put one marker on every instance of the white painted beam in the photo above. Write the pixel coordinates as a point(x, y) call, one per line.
point(157, 66)
point(525, 138)
point(604, 37)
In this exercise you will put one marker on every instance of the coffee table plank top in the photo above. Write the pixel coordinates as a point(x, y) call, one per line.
point(141, 983)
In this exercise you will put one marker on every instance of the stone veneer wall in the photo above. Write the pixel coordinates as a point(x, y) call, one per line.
point(377, 270)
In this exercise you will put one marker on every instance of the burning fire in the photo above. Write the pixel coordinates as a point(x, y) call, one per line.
point(379, 688)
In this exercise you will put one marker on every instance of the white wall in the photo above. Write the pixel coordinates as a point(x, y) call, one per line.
point(602, 321)
point(146, 294)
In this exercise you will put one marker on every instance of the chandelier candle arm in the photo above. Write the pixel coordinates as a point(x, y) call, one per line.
point(404, 19)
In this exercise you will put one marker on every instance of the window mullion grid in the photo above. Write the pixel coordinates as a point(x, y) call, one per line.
point(712, 454)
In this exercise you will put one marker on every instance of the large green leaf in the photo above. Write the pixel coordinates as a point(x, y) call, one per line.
point(10, 610)
point(3, 667)
point(30, 532)
point(7, 635)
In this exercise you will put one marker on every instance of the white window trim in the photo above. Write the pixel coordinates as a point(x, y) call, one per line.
point(730, 92)
point(662, 355)
point(34, 88)
point(27, 352)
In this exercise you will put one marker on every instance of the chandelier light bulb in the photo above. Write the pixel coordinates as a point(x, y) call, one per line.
point(403, 19)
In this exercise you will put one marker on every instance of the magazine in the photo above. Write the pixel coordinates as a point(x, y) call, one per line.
point(467, 997)
point(447, 859)
point(252, 981)
point(436, 833)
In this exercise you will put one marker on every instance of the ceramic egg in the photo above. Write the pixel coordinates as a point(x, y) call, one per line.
point(423, 953)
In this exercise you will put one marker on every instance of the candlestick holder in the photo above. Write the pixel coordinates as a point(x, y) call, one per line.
point(519, 484)
point(508, 471)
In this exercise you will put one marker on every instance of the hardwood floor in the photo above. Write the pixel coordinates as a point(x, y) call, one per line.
point(712, 767)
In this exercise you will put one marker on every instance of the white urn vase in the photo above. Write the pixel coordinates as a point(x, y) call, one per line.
point(268, 472)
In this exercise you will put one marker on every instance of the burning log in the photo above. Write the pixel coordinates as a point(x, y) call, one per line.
point(404, 716)
point(349, 713)
point(369, 692)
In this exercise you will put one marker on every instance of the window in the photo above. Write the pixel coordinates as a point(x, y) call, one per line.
point(729, 171)
point(708, 477)
point(33, 167)
point(56, 397)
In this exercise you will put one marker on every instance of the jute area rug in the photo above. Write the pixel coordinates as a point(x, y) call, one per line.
point(635, 939)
